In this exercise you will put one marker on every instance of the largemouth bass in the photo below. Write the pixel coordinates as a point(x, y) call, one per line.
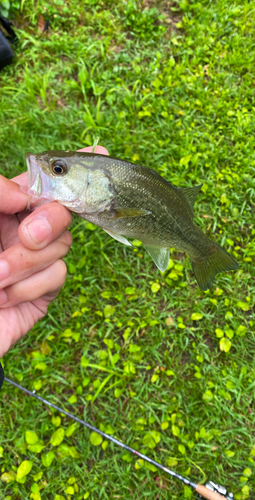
point(128, 200)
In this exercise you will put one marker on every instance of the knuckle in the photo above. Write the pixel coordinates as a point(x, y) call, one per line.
point(66, 241)
point(61, 273)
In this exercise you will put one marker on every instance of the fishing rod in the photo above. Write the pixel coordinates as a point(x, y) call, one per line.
point(211, 490)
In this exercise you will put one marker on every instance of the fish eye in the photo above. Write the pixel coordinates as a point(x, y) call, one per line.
point(59, 167)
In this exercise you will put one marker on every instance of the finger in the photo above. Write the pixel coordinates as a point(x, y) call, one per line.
point(21, 179)
point(12, 199)
point(46, 282)
point(99, 150)
point(44, 225)
point(18, 262)
point(9, 225)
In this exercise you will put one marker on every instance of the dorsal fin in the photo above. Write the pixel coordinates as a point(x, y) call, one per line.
point(190, 194)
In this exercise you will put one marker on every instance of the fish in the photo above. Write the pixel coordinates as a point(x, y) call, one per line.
point(129, 201)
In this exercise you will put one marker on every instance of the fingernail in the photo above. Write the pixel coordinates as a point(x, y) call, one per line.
point(39, 229)
point(4, 270)
point(3, 297)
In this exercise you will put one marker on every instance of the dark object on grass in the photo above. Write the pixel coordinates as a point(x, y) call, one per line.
point(43, 24)
point(7, 36)
point(211, 491)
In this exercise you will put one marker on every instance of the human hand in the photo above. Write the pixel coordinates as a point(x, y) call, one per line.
point(31, 248)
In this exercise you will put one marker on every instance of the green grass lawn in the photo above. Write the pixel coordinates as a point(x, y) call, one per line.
point(146, 356)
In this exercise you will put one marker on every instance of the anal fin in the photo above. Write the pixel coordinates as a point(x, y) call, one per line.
point(117, 237)
point(160, 255)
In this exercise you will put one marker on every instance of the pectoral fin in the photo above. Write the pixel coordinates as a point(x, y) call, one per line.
point(129, 212)
point(117, 237)
point(160, 255)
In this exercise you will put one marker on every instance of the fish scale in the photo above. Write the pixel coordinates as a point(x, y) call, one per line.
point(128, 200)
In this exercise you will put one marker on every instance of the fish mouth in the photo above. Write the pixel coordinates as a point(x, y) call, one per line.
point(34, 177)
point(39, 184)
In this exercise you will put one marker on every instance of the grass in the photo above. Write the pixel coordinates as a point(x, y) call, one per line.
point(147, 356)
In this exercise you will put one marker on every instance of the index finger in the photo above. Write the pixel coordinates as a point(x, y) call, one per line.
point(99, 150)
point(12, 199)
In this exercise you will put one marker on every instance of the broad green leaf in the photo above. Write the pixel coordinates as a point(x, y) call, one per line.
point(73, 452)
point(71, 480)
point(38, 476)
point(225, 344)
point(106, 294)
point(175, 430)
point(139, 463)
point(129, 368)
point(246, 491)
point(69, 490)
point(37, 385)
point(130, 290)
point(149, 466)
point(56, 420)
point(219, 333)
point(86, 381)
point(7, 477)
point(207, 396)
point(109, 311)
point(70, 430)
point(171, 461)
point(228, 315)
point(230, 385)
point(45, 348)
point(35, 489)
point(109, 429)
point(241, 330)
point(243, 305)
point(188, 494)
point(152, 438)
point(31, 437)
point(72, 399)
point(1, 452)
point(24, 469)
point(134, 348)
point(95, 439)
point(48, 459)
point(164, 425)
point(41, 366)
point(155, 287)
point(127, 457)
point(185, 159)
point(229, 333)
point(109, 343)
point(57, 437)
point(182, 449)
point(63, 450)
point(117, 392)
point(84, 362)
point(247, 472)
point(229, 453)
point(196, 316)
point(37, 447)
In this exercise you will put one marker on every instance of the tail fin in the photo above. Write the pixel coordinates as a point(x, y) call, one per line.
point(206, 270)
